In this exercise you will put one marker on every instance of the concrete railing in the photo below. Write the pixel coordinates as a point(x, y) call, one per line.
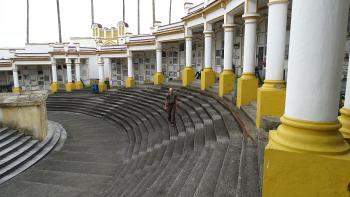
point(25, 112)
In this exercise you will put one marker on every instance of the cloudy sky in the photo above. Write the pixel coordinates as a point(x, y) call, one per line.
point(76, 18)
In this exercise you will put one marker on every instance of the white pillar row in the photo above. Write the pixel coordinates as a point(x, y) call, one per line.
point(159, 57)
point(249, 58)
point(54, 70)
point(228, 41)
point(15, 76)
point(69, 70)
point(276, 39)
point(208, 34)
point(315, 59)
point(77, 69)
point(130, 68)
point(188, 38)
point(100, 70)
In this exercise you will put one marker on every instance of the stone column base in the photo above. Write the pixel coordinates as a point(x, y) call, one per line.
point(16, 90)
point(305, 158)
point(270, 100)
point(78, 85)
point(247, 88)
point(187, 76)
point(54, 87)
point(69, 87)
point(207, 78)
point(345, 122)
point(130, 82)
point(102, 87)
point(158, 78)
point(226, 82)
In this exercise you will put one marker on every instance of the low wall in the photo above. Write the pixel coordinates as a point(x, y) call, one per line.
point(25, 112)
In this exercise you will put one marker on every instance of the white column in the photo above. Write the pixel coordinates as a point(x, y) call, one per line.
point(347, 91)
point(249, 58)
point(130, 68)
point(208, 33)
point(77, 69)
point(100, 70)
point(315, 59)
point(159, 57)
point(15, 77)
point(188, 38)
point(276, 39)
point(54, 70)
point(69, 70)
point(228, 42)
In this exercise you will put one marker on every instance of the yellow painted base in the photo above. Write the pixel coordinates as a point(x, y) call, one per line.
point(158, 78)
point(304, 159)
point(207, 78)
point(54, 87)
point(187, 76)
point(270, 100)
point(17, 90)
point(69, 87)
point(226, 82)
point(102, 87)
point(130, 82)
point(247, 87)
point(78, 85)
point(345, 122)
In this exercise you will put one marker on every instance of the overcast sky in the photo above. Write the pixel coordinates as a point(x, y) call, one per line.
point(76, 18)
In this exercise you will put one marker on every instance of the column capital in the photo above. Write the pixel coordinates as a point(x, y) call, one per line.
point(271, 2)
point(228, 27)
point(208, 33)
point(77, 61)
point(68, 61)
point(250, 17)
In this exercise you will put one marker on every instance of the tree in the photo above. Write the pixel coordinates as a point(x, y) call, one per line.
point(27, 21)
point(59, 21)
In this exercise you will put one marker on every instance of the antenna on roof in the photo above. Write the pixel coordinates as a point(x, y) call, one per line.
point(59, 21)
point(27, 21)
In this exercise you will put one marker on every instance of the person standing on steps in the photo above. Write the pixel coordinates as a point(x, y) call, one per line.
point(170, 105)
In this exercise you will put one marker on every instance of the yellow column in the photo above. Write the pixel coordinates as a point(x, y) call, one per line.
point(207, 75)
point(271, 96)
point(307, 155)
point(247, 84)
point(69, 85)
point(227, 77)
point(188, 71)
point(130, 82)
point(158, 77)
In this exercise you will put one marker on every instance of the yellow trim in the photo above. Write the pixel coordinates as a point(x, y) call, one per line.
point(270, 100)
point(102, 87)
point(344, 119)
point(187, 76)
point(16, 90)
point(78, 85)
point(247, 87)
point(158, 78)
point(306, 158)
point(226, 82)
point(309, 136)
point(208, 78)
point(54, 87)
point(130, 82)
point(69, 87)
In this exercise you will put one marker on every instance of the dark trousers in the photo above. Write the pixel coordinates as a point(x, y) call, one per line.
point(171, 113)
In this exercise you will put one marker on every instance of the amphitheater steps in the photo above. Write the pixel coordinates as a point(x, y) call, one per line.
point(18, 151)
point(202, 156)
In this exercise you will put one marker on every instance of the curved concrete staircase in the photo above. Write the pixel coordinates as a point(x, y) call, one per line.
point(205, 154)
point(19, 151)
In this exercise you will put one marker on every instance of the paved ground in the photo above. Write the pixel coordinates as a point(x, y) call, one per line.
point(83, 167)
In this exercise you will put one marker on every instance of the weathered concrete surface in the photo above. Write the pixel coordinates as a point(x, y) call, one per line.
point(25, 112)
